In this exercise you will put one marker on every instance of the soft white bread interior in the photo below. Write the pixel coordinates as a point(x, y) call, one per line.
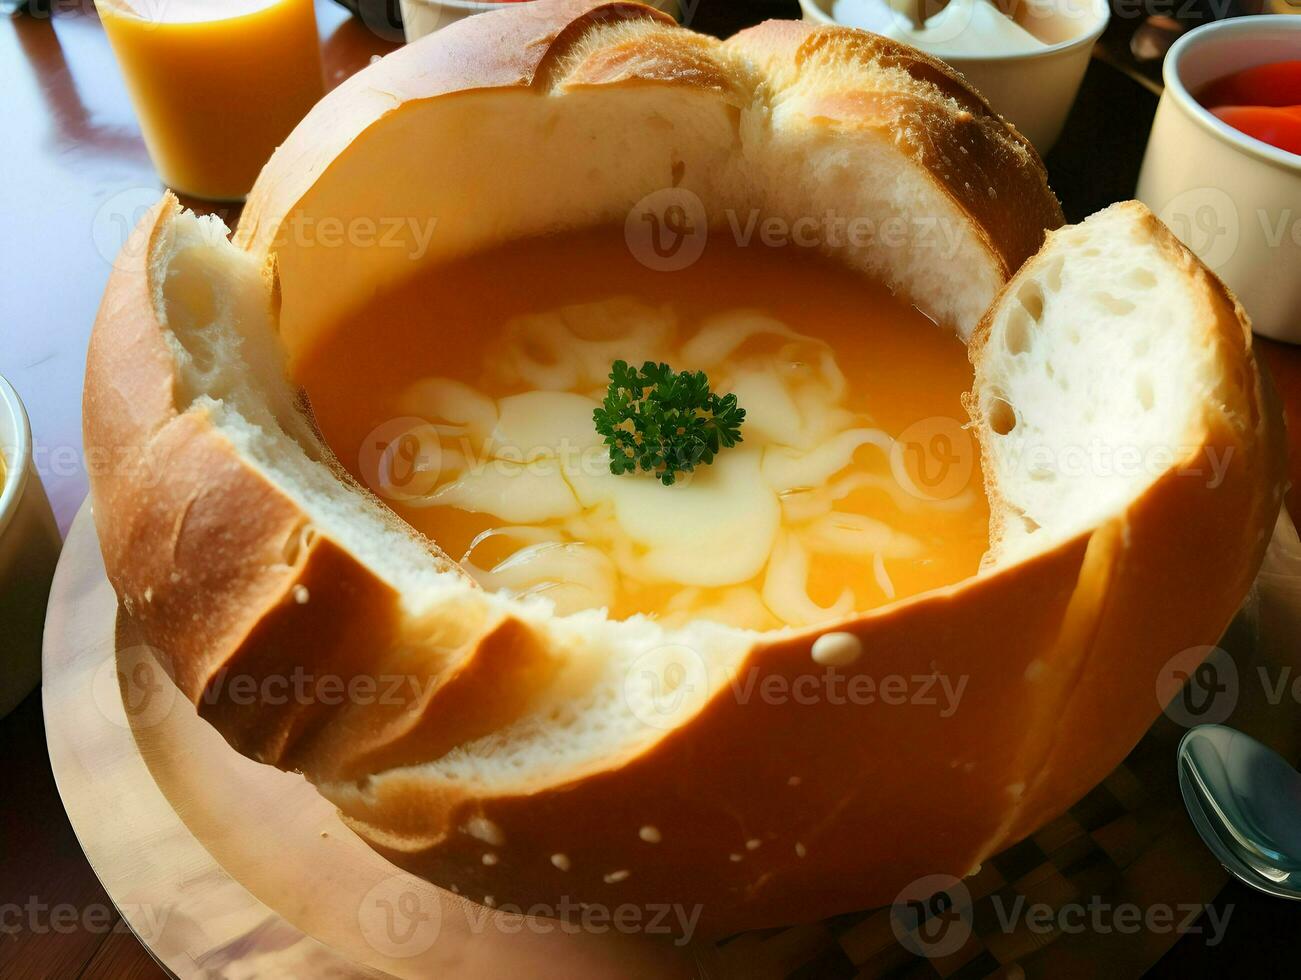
point(529, 755)
point(231, 368)
point(1094, 374)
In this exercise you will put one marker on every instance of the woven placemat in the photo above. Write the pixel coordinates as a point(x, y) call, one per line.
point(1107, 888)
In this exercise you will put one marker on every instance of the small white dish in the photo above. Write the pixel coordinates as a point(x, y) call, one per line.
point(1033, 90)
point(1232, 199)
point(29, 550)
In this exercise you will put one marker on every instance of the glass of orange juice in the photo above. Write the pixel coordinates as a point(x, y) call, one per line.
point(217, 84)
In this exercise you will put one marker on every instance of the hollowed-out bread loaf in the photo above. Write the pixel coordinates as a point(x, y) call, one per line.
point(526, 756)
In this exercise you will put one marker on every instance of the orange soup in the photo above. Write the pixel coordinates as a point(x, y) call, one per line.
point(464, 398)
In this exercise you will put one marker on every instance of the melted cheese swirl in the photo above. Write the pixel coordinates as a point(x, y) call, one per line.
point(733, 542)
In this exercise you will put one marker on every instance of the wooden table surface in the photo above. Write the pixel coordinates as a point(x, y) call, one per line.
point(75, 177)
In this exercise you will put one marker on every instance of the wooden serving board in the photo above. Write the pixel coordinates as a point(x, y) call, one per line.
point(227, 868)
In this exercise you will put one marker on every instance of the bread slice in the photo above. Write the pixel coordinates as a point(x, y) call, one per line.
point(1115, 396)
point(527, 756)
point(1094, 375)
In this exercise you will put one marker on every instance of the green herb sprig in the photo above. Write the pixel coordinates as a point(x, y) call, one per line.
point(663, 421)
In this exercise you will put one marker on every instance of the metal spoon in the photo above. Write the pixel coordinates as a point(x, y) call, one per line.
point(1245, 801)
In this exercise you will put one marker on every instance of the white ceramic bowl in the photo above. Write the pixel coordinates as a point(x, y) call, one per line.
point(421, 17)
point(1033, 90)
point(29, 548)
point(1232, 199)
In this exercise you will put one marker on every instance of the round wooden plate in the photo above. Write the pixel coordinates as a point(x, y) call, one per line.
point(224, 867)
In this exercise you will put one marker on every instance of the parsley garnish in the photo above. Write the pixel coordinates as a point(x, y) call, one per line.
point(664, 421)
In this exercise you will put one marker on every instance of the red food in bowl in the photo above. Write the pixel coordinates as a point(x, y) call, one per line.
point(1264, 102)
point(1279, 127)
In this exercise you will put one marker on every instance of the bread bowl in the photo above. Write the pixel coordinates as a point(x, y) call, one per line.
point(532, 760)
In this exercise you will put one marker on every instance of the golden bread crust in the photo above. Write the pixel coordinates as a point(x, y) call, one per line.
point(852, 79)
